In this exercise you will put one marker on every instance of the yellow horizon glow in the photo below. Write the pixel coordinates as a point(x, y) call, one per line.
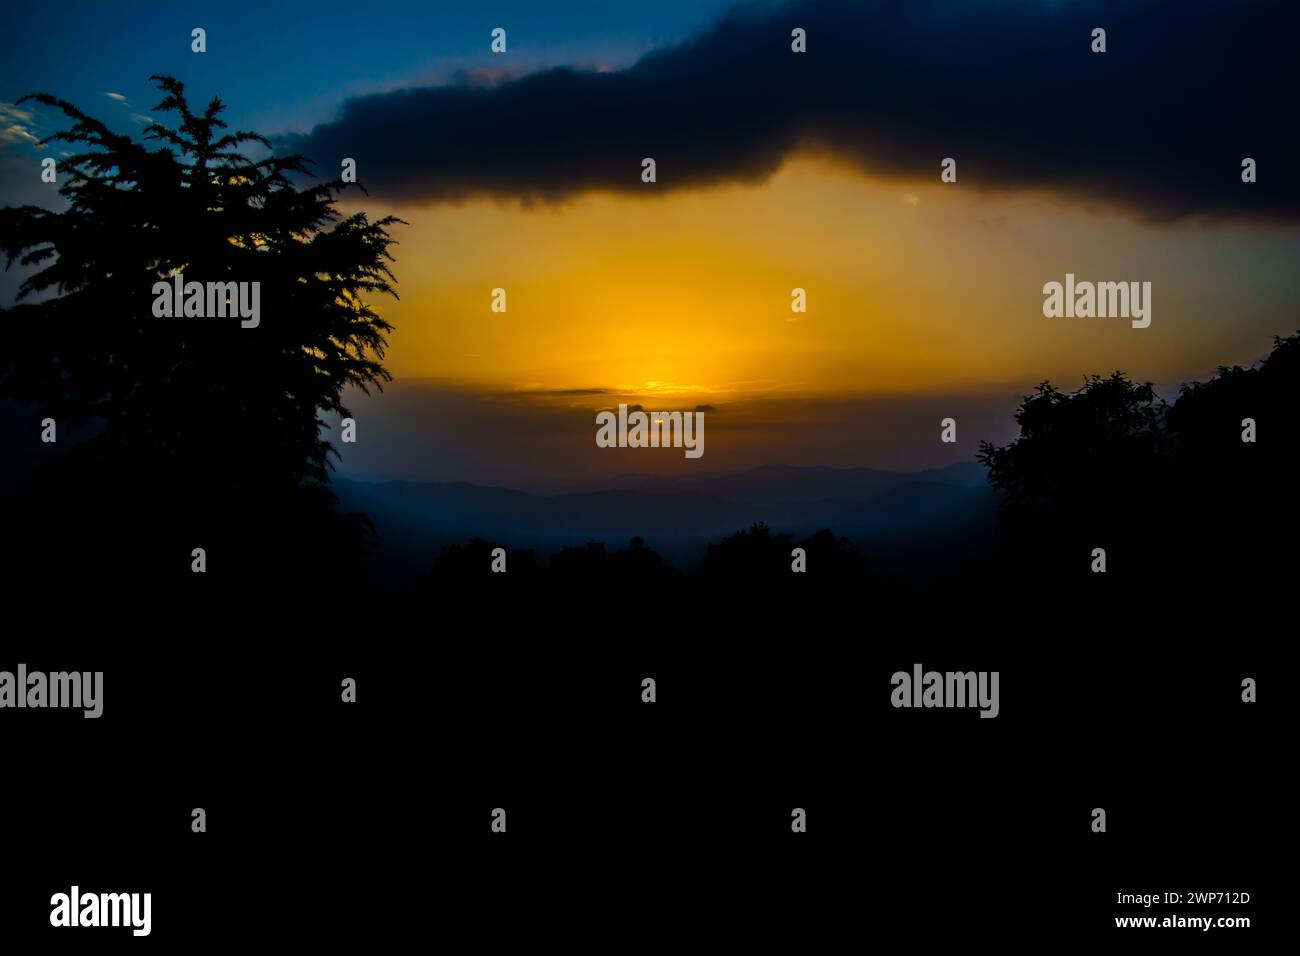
point(686, 296)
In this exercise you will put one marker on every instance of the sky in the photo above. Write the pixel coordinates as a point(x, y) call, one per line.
point(775, 171)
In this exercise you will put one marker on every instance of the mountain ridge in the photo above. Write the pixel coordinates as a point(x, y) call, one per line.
point(877, 510)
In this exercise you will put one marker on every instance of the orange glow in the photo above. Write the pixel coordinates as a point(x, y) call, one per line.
point(686, 297)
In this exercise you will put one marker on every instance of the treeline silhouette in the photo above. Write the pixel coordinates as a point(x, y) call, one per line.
point(1201, 489)
point(755, 554)
point(743, 587)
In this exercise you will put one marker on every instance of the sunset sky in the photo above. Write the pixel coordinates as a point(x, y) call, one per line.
point(924, 298)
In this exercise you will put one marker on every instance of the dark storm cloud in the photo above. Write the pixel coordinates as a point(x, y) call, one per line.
point(560, 391)
point(1158, 124)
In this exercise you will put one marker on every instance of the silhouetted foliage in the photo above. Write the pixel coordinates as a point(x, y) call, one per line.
point(758, 553)
point(638, 571)
point(473, 560)
point(1166, 490)
point(1068, 479)
point(835, 559)
point(203, 433)
point(1238, 499)
point(581, 562)
point(636, 562)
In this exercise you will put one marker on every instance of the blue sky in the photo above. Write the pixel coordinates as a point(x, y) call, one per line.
point(283, 70)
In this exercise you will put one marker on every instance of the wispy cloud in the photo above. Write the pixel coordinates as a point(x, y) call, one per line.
point(15, 126)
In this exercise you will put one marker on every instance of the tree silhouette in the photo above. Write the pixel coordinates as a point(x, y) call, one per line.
point(759, 554)
point(200, 433)
point(1238, 498)
point(635, 563)
point(1069, 480)
point(1169, 491)
point(472, 562)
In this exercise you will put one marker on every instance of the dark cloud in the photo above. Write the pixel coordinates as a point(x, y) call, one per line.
point(1158, 124)
point(561, 391)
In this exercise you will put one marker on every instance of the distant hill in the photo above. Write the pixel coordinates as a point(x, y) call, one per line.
point(771, 484)
point(898, 516)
